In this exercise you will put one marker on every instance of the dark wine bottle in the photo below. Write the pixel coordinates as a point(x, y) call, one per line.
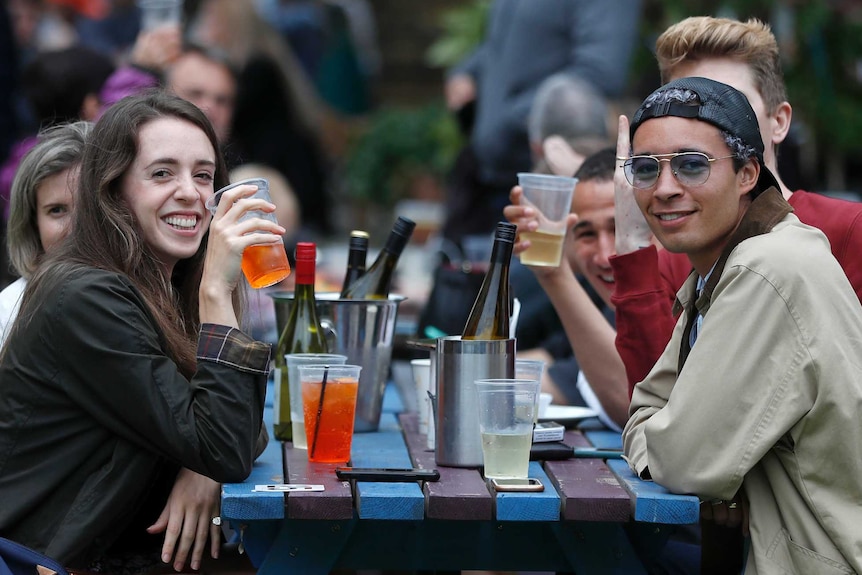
point(355, 259)
point(489, 318)
point(302, 334)
point(377, 281)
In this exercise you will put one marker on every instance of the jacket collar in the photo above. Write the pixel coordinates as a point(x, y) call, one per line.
point(766, 210)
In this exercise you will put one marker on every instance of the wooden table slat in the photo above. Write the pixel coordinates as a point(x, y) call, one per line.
point(385, 448)
point(538, 506)
point(334, 502)
point(589, 491)
point(460, 494)
point(653, 503)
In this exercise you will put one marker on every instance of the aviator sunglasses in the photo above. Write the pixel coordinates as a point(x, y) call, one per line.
point(689, 168)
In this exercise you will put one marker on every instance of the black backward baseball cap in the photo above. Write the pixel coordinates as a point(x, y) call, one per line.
point(721, 105)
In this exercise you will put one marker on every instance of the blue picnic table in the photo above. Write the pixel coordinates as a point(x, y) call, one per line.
point(582, 522)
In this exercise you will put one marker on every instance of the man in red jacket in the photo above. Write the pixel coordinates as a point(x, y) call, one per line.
point(745, 56)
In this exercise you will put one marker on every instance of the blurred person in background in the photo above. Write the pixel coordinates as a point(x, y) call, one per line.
point(109, 26)
point(201, 75)
point(39, 26)
point(567, 122)
point(277, 118)
point(59, 86)
point(335, 41)
point(526, 41)
point(41, 207)
point(54, 87)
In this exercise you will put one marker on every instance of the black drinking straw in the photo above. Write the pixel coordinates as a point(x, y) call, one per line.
point(319, 409)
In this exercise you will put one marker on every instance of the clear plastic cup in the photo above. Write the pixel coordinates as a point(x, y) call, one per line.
point(329, 405)
point(531, 369)
point(263, 265)
point(506, 408)
point(551, 196)
point(297, 415)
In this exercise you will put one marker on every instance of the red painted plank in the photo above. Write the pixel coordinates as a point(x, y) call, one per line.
point(334, 502)
point(460, 494)
point(588, 490)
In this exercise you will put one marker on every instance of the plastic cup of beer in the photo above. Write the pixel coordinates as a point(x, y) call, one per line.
point(159, 13)
point(263, 265)
point(506, 408)
point(551, 197)
point(297, 413)
point(329, 405)
point(531, 369)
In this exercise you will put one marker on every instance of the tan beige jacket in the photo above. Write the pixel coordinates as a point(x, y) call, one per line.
point(769, 400)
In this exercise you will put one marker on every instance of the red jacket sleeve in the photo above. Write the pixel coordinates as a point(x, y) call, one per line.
point(646, 282)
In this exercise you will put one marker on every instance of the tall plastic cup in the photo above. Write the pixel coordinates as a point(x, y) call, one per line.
point(263, 265)
point(551, 196)
point(531, 369)
point(506, 408)
point(328, 401)
point(297, 416)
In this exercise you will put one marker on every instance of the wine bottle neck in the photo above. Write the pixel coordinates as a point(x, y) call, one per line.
point(501, 253)
point(356, 258)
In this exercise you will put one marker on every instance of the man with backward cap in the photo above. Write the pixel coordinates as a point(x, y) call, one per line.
point(753, 406)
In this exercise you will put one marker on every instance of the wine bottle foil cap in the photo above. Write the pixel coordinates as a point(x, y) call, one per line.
point(401, 232)
point(306, 251)
point(403, 226)
point(357, 241)
point(506, 231)
point(359, 234)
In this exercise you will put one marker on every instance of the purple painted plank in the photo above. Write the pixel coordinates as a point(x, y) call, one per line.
point(588, 490)
point(461, 494)
point(334, 502)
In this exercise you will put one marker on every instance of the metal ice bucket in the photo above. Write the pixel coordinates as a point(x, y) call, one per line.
point(364, 331)
point(457, 365)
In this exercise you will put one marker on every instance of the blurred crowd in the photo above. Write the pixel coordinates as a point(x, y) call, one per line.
point(280, 81)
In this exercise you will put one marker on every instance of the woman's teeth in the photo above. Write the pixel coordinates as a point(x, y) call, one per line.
point(184, 222)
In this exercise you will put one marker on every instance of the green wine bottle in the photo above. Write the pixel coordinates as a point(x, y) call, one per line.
point(302, 334)
point(489, 318)
point(355, 259)
point(377, 281)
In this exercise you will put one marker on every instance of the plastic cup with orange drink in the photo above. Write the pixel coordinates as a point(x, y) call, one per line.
point(329, 405)
point(263, 265)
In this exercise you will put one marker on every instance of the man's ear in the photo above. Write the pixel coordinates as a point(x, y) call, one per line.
point(747, 176)
point(780, 122)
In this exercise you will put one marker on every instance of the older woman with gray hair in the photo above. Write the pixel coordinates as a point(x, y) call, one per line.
point(40, 207)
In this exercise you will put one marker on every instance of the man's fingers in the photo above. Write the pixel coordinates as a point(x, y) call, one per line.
point(515, 194)
point(623, 144)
